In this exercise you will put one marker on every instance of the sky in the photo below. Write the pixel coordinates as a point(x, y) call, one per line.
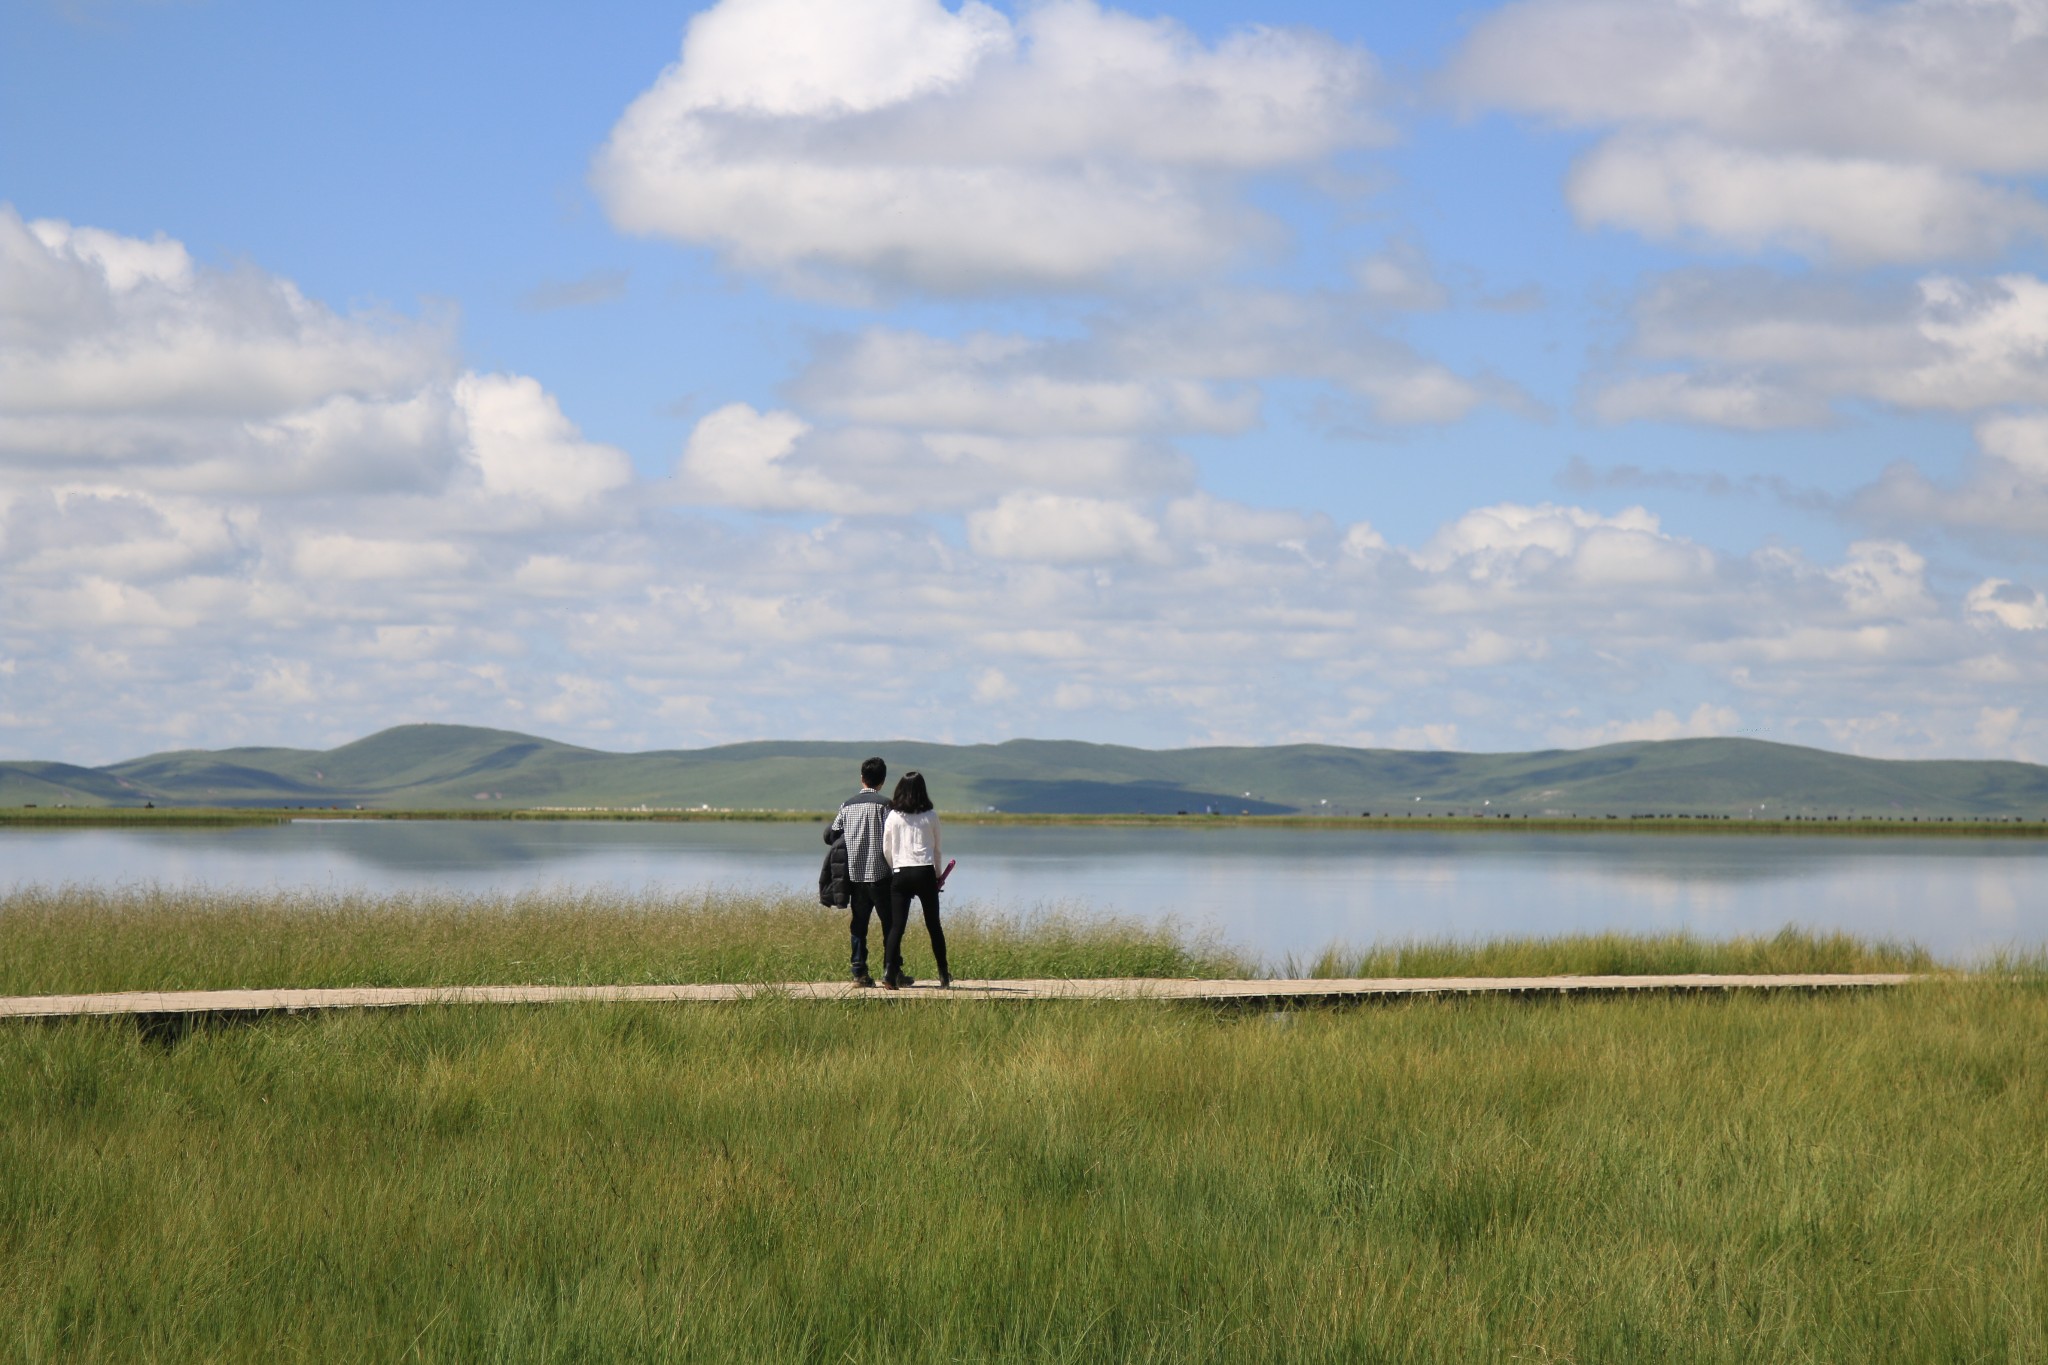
point(1505, 377)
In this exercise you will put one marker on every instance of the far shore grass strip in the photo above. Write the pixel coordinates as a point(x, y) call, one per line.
point(87, 940)
point(1995, 827)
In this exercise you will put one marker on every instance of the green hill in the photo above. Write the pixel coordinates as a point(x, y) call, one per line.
point(456, 766)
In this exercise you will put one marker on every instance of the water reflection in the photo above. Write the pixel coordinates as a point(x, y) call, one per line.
point(1276, 892)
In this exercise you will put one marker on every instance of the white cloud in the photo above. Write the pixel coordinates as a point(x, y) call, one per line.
point(561, 575)
point(1949, 81)
point(337, 555)
point(91, 322)
point(900, 143)
point(1706, 720)
point(1010, 385)
point(452, 547)
point(1049, 529)
point(1867, 132)
point(1512, 544)
point(1856, 210)
point(123, 361)
point(2009, 604)
point(961, 421)
point(1884, 578)
point(2003, 491)
point(993, 686)
point(2019, 440)
point(1753, 349)
point(1209, 520)
point(1400, 278)
point(525, 448)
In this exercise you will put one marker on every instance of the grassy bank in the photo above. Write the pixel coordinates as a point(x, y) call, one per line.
point(1796, 1179)
point(79, 939)
point(118, 817)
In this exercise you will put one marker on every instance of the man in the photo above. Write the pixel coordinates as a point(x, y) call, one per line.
point(859, 823)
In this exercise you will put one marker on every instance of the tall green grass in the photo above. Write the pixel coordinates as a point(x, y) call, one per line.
point(85, 938)
point(70, 816)
point(1611, 954)
point(1814, 1179)
point(80, 939)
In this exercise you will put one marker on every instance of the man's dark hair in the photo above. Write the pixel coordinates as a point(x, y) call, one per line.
point(911, 798)
point(872, 771)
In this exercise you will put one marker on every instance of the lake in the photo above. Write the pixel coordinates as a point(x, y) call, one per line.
point(1274, 892)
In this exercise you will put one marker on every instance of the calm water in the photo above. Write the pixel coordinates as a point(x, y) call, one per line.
point(1274, 892)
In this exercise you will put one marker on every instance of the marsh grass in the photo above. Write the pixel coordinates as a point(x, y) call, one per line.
point(1610, 954)
point(1841, 1178)
point(83, 938)
point(116, 816)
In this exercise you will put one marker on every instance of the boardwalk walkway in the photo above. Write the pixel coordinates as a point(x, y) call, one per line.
point(1131, 988)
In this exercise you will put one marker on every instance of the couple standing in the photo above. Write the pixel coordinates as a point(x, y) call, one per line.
point(892, 858)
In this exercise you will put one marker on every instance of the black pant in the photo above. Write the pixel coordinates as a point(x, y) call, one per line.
point(905, 885)
point(867, 898)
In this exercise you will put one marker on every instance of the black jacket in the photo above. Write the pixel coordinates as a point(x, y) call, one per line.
point(832, 876)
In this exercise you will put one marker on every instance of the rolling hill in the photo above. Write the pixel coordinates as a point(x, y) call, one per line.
point(455, 766)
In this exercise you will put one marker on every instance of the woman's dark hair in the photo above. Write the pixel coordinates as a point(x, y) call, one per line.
point(911, 798)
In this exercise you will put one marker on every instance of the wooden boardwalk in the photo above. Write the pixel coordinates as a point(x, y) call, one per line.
point(1248, 992)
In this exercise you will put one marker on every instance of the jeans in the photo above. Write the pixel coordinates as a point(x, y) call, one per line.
point(867, 898)
point(908, 884)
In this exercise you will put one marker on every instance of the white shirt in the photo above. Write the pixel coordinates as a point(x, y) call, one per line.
point(911, 840)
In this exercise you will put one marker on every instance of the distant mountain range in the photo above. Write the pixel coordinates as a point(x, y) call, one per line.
point(438, 767)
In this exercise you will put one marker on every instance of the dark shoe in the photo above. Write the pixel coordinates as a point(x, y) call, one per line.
point(864, 982)
point(890, 985)
point(945, 981)
point(905, 979)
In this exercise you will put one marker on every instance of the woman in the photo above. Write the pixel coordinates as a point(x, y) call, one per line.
point(910, 843)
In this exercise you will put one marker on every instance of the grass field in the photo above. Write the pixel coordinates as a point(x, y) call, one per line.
point(1748, 1179)
point(1812, 1178)
point(79, 939)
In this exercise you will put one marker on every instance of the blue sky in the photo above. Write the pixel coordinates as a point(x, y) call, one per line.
point(1495, 378)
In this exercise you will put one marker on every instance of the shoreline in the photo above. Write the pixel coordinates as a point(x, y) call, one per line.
point(1926, 826)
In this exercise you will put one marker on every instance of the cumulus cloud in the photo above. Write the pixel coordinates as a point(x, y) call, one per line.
point(1866, 132)
point(900, 143)
point(122, 359)
point(315, 559)
point(1750, 348)
point(525, 448)
point(1884, 578)
point(93, 322)
point(2003, 491)
point(778, 462)
point(1048, 529)
point(1950, 81)
point(739, 457)
point(1011, 385)
point(1511, 543)
point(894, 420)
point(339, 555)
point(1853, 209)
point(2009, 604)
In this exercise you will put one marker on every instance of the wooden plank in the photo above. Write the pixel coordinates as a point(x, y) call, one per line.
point(1125, 988)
